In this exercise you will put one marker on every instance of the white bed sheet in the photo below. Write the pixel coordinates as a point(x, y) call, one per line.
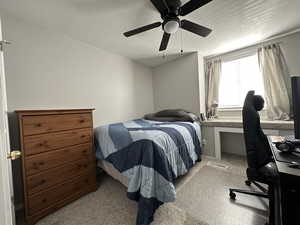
point(113, 172)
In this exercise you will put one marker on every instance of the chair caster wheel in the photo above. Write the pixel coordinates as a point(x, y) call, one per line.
point(232, 195)
point(248, 183)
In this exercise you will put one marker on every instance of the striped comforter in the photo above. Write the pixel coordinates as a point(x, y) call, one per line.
point(151, 155)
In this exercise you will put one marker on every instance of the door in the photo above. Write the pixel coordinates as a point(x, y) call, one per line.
point(7, 216)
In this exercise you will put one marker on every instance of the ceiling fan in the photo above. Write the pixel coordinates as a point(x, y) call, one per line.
point(170, 10)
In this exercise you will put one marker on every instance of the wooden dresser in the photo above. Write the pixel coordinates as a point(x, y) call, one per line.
point(58, 159)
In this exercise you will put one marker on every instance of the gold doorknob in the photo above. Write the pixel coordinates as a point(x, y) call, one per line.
point(14, 155)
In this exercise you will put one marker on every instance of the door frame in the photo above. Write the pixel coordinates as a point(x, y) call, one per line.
point(7, 213)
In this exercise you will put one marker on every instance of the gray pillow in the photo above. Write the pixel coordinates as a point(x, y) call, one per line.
point(193, 117)
point(162, 119)
point(172, 115)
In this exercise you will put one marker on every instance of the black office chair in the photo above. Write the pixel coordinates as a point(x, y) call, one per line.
point(261, 168)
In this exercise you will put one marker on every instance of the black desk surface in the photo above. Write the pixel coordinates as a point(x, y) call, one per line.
point(283, 160)
point(289, 184)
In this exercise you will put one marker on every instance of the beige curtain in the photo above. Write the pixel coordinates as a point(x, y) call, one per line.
point(212, 77)
point(276, 82)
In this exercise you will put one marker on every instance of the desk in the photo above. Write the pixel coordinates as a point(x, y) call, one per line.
point(219, 126)
point(289, 185)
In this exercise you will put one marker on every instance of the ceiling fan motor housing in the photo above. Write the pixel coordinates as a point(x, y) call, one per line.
point(173, 9)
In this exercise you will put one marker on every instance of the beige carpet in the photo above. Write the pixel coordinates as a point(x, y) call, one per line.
point(202, 193)
point(206, 197)
point(110, 206)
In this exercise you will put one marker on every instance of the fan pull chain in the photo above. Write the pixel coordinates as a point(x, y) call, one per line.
point(181, 43)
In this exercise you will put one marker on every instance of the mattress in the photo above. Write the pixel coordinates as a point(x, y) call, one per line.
point(113, 172)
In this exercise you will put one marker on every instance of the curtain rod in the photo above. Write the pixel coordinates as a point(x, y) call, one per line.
point(253, 45)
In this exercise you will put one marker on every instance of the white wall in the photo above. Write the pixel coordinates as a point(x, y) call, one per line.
point(291, 49)
point(49, 70)
point(176, 84)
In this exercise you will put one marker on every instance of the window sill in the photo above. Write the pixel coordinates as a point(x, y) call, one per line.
point(235, 109)
point(238, 123)
point(230, 109)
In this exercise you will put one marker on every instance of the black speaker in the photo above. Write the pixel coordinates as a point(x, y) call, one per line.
point(296, 104)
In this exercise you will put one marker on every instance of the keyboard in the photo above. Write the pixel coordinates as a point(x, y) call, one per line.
point(291, 138)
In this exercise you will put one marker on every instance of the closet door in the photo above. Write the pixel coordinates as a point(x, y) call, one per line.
point(6, 186)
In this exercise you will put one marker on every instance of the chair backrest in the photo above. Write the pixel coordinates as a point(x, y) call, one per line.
point(257, 147)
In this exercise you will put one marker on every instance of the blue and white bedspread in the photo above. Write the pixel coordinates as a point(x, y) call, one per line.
point(151, 155)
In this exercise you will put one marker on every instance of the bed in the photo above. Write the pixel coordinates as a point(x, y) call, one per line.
point(147, 156)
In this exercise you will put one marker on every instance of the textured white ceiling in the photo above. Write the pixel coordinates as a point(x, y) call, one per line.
point(235, 23)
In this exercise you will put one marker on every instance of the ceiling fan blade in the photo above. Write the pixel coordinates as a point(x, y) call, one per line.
point(191, 6)
point(164, 42)
point(142, 29)
point(160, 5)
point(195, 28)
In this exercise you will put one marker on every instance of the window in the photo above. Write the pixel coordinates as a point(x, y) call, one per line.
point(237, 78)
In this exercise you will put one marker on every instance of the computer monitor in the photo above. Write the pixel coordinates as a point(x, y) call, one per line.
point(296, 104)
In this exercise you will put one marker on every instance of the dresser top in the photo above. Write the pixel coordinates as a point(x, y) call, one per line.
point(53, 111)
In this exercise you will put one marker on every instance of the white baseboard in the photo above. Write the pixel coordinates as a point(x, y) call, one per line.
point(209, 157)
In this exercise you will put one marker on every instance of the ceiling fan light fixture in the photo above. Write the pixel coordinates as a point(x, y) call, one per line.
point(171, 26)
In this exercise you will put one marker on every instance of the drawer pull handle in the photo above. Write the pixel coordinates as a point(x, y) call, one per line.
point(40, 183)
point(44, 200)
point(44, 143)
point(42, 163)
point(84, 151)
point(81, 121)
point(83, 136)
point(38, 124)
point(43, 181)
point(35, 165)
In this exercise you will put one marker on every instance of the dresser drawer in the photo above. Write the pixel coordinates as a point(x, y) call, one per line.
point(58, 175)
point(46, 142)
point(45, 199)
point(51, 123)
point(44, 161)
